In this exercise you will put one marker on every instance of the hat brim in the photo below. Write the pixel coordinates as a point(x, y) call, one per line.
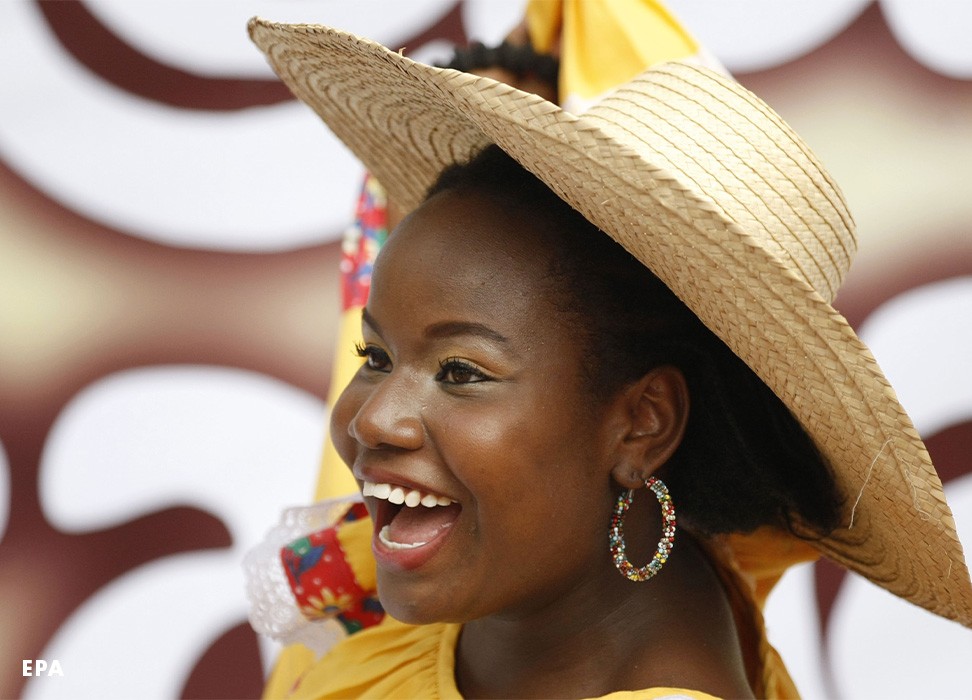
point(407, 121)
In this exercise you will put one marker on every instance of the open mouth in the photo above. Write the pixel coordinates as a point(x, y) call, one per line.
point(409, 518)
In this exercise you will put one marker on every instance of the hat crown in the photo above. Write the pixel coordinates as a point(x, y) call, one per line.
point(757, 172)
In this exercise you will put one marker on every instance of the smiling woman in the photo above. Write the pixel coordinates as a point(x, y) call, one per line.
point(470, 414)
point(513, 349)
point(581, 320)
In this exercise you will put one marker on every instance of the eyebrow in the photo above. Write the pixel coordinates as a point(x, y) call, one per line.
point(448, 329)
point(370, 320)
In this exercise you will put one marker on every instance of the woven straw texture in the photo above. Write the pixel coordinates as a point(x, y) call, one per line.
point(707, 186)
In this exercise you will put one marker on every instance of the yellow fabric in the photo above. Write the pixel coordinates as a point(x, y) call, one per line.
point(291, 664)
point(294, 661)
point(355, 539)
point(603, 43)
point(764, 556)
point(759, 560)
point(334, 478)
point(395, 660)
point(750, 565)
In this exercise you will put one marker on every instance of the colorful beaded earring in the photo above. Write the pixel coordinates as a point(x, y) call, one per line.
point(665, 544)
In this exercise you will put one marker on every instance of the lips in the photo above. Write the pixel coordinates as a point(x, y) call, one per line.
point(410, 524)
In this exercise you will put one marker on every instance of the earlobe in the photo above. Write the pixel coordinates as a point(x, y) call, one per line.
point(657, 408)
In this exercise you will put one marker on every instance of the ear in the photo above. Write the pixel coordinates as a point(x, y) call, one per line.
point(656, 412)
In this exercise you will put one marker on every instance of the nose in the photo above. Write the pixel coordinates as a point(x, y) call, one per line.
point(389, 417)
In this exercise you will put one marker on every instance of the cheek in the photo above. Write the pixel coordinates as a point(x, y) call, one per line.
point(343, 412)
point(542, 510)
point(509, 453)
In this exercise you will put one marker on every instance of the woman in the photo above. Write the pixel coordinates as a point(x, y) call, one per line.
point(537, 364)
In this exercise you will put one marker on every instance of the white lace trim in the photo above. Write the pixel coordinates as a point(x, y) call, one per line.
point(273, 608)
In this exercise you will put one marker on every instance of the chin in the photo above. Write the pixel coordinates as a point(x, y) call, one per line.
point(412, 613)
point(409, 604)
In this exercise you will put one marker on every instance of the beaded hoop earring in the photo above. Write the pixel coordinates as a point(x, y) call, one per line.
point(665, 544)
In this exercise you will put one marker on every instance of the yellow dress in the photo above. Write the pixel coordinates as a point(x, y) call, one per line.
point(396, 660)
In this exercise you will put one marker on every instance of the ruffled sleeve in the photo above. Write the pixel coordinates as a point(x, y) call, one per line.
point(390, 660)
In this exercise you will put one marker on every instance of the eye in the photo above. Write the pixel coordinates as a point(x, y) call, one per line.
point(375, 358)
point(456, 371)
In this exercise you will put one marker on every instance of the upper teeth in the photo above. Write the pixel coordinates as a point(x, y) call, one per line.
point(398, 495)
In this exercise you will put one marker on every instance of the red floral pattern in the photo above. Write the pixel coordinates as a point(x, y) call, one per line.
point(361, 243)
point(323, 582)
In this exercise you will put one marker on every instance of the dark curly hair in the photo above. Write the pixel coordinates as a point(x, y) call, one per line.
point(519, 59)
point(744, 461)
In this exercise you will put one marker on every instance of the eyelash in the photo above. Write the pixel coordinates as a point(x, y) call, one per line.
point(454, 364)
point(377, 359)
point(372, 354)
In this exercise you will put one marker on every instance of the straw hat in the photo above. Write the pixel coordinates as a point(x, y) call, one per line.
point(706, 185)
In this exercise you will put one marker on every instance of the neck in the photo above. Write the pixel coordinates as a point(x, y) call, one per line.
point(610, 634)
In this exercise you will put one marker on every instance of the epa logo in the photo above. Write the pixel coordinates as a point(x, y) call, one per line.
point(40, 667)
